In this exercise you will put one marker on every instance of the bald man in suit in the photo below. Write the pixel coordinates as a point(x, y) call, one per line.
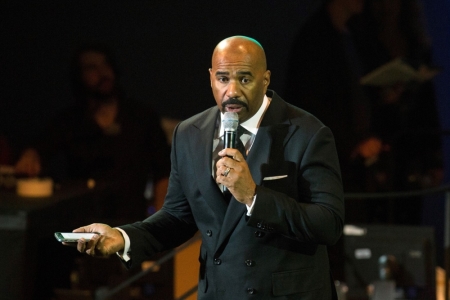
point(269, 241)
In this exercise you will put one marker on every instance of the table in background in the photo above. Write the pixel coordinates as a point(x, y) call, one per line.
point(27, 226)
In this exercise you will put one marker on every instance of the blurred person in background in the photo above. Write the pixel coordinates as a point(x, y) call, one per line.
point(103, 136)
point(405, 112)
point(323, 75)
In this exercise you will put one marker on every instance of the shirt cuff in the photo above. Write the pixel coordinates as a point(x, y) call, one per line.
point(126, 249)
point(250, 208)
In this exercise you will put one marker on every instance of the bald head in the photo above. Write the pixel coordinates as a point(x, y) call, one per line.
point(239, 76)
point(243, 46)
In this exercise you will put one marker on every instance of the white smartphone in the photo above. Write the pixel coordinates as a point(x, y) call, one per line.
point(70, 237)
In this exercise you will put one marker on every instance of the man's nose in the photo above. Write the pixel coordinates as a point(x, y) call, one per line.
point(233, 90)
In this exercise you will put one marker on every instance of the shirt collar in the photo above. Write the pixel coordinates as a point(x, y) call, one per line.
point(251, 124)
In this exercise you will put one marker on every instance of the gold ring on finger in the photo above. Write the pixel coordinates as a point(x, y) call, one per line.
point(225, 174)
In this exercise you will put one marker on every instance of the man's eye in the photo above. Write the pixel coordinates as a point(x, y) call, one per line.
point(245, 80)
point(223, 79)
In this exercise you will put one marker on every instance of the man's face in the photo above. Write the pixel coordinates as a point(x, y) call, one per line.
point(97, 74)
point(238, 82)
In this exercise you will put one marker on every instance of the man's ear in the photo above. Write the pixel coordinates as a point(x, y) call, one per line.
point(267, 78)
point(210, 76)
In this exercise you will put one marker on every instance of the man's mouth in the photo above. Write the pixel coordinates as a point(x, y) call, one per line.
point(234, 105)
point(233, 108)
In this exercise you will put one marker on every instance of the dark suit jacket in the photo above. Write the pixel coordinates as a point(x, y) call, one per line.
point(280, 251)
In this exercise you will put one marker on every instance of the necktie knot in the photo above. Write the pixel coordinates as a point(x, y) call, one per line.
point(243, 135)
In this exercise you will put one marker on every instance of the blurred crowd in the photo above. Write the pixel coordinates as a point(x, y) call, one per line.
point(387, 133)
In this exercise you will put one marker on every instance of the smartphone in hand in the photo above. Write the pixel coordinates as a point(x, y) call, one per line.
point(71, 237)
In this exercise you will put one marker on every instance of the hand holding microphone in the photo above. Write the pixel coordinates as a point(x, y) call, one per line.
point(230, 123)
point(232, 169)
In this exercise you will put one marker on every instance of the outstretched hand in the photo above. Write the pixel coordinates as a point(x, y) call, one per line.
point(108, 240)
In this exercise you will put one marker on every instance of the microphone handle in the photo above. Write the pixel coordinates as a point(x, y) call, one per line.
point(229, 139)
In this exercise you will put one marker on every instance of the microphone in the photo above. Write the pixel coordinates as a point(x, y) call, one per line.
point(230, 124)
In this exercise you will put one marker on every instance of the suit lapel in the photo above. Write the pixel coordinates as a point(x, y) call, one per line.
point(274, 124)
point(201, 148)
point(258, 155)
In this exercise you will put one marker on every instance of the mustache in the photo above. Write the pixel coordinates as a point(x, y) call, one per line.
point(234, 101)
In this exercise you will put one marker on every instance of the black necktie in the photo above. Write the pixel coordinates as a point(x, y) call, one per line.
point(239, 145)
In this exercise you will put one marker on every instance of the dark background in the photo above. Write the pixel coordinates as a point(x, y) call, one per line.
point(163, 49)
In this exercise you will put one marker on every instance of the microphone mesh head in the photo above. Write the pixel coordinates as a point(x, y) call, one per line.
point(230, 121)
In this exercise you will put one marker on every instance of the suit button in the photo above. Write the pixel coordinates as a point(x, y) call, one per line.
point(217, 261)
point(251, 291)
point(208, 232)
point(259, 234)
point(249, 263)
point(259, 225)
